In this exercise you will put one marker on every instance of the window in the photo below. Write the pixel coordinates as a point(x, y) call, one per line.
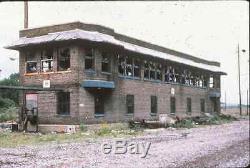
point(172, 105)
point(158, 72)
point(89, 59)
point(99, 105)
point(31, 63)
point(130, 104)
point(64, 59)
point(137, 71)
point(106, 64)
point(152, 68)
point(47, 61)
point(211, 81)
point(153, 104)
point(63, 103)
point(31, 66)
point(202, 105)
point(129, 67)
point(189, 105)
point(146, 69)
point(121, 64)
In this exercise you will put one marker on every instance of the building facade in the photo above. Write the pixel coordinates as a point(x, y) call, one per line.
point(100, 75)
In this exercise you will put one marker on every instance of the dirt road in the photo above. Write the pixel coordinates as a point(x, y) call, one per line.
point(224, 145)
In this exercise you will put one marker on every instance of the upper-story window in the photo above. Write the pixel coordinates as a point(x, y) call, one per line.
point(89, 59)
point(127, 66)
point(31, 63)
point(169, 74)
point(47, 60)
point(106, 62)
point(64, 59)
point(137, 69)
point(211, 81)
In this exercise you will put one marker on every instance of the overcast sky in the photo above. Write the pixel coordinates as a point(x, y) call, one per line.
point(209, 30)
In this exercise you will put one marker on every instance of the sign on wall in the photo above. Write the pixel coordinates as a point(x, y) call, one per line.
point(46, 84)
point(172, 91)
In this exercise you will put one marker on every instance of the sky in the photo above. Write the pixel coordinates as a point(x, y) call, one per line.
point(210, 30)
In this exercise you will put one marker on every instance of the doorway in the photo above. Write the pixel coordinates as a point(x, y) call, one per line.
point(99, 105)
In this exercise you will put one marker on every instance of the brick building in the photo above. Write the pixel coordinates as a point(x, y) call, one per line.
point(100, 75)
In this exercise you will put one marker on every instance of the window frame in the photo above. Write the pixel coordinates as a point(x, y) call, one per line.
point(65, 102)
point(172, 105)
point(154, 104)
point(88, 57)
point(189, 105)
point(106, 62)
point(130, 103)
point(59, 60)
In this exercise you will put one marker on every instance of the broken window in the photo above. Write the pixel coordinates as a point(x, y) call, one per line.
point(137, 70)
point(47, 60)
point(121, 65)
point(211, 81)
point(189, 105)
point(129, 67)
point(172, 105)
point(106, 62)
point(153, 104)
point(158, 72)
point(63, 103)
point(146, 69)
point(152, 67)
point(64, 59)
point(89, 59)
point(130, 104)
point(31, 63)
point(31, 66)
point(202, 101)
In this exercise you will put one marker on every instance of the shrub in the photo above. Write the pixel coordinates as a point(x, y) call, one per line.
point(7, 114)
point(83, 127)
point(5, 103)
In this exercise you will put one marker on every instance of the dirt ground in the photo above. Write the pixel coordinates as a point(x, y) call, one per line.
point(224, 145)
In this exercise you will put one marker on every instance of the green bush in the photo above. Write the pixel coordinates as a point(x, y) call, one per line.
point(6, 102)
point(83, 127)
point(185, 123)
point(7, 114)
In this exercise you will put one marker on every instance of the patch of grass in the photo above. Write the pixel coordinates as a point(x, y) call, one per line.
point(185, 123)
point(83, 127)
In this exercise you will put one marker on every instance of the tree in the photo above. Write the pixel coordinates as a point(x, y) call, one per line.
point(12, 80)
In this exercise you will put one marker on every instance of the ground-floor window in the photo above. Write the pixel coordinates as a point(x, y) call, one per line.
point(153, 104)
point(99, 105)
point(63, 103)
point(202, 101)
point(130, 104)
point(172, 105)
point(189, 105)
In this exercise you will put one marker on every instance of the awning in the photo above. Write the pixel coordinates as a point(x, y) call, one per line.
point(98, 84)
point(214, 94)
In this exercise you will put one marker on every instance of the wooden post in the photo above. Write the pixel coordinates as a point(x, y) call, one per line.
point(239, 79)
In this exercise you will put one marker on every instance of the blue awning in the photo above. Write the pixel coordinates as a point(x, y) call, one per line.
point(98, 84)
point(214, 94)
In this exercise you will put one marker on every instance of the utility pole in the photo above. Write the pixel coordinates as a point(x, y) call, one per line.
point(26, 17)
point(239, 78)
point(225, 101)
point(247, 104)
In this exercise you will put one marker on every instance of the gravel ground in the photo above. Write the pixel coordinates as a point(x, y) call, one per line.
point(224, 145)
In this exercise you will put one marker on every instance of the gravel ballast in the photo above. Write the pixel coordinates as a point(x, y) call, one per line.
point(224, 145)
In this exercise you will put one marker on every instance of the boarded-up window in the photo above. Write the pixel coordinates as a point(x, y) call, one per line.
point(63, 103)
point(130, 104)
point(189, 105)
point(202, 105)
point(153, 104)
point(89, 59)
point(64, 59)
point(172, 105)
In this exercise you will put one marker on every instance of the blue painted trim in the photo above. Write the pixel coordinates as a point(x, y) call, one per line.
point(98, 84)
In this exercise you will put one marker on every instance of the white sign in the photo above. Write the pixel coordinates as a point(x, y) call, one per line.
point(46, 84)
point(172, 91)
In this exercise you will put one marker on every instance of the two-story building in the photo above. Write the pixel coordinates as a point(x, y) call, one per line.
point(106, 76)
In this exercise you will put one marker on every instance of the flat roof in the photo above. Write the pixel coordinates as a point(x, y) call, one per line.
point(97, 33)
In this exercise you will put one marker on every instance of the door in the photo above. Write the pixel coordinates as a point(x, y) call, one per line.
point(31, 103)
point(99, 105)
